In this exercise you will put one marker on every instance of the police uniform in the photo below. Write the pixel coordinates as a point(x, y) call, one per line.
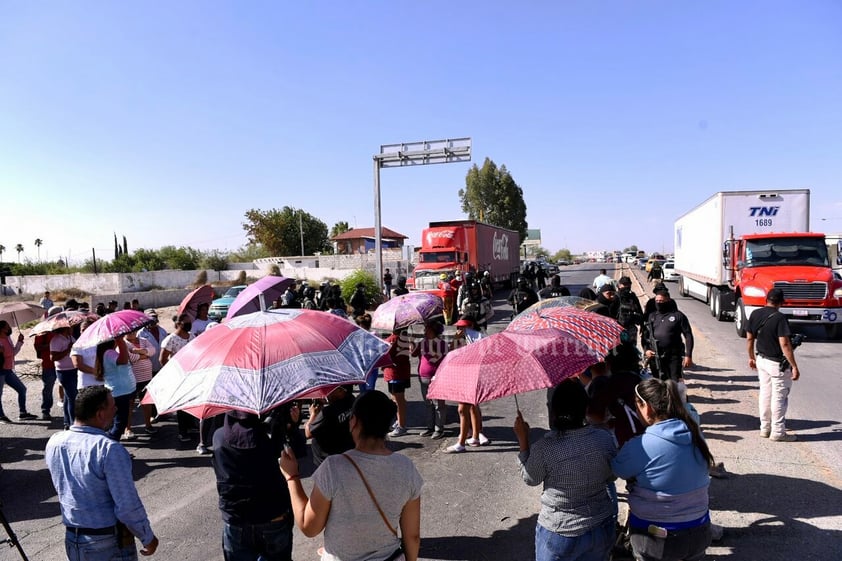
point(668, 327)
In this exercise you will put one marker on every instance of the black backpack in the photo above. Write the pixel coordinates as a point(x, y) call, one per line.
point(627, 313)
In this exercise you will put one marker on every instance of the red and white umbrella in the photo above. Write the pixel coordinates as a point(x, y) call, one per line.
point(258, 361)
point(598, 332)
point(111, 326)
point(60, 320)
point(509, 363)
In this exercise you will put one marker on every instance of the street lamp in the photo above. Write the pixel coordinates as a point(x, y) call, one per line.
point(411, 154)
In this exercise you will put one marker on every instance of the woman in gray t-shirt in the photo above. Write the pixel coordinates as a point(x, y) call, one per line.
point(341, 505)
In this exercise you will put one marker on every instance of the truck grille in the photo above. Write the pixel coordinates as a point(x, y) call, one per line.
point(803, 291)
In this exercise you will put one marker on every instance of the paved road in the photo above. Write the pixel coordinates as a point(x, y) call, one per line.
point(781, 503)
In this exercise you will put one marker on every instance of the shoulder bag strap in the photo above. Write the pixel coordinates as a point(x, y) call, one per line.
point(371, 494)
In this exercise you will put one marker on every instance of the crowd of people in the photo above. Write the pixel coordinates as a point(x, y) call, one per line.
point(626, 417)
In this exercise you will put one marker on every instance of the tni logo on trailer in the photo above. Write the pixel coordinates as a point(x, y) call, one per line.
point(764, 211)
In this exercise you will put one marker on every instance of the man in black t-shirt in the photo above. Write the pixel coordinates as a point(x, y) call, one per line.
point(769, 329)
point(329, 425)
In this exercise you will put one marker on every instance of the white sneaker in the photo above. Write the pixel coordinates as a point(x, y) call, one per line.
point(398, 431)
point(455, 449)
point(202, 450)
point(483, 440)
point(472, 442)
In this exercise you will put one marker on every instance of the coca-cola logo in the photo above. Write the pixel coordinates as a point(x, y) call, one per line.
point(500, 247)
point(436, 234)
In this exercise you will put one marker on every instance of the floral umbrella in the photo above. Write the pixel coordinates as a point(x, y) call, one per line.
point(405, 310)
point(561, 302)
point(509, 363)
point(67, 318)
point(258, 361)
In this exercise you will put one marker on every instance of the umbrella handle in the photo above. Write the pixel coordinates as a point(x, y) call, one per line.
point(516, 404)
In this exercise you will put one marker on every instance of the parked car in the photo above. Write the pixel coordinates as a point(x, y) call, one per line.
point(669, 271)
point(219, 307)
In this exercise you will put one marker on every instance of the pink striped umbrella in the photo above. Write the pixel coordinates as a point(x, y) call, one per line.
point(509, 363)
point(257, 361)
point(190, 304)
point(598, 332)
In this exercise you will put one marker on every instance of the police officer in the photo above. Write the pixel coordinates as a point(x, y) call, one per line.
point(662, 341)
point(626, 308)
point(522, 297)
point(477, 307)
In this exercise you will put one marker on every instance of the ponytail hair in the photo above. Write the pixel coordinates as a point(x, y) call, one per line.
point(665, 399)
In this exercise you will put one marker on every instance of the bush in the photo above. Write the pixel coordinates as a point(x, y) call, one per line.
point(242, 278)
point(349, 285)
point(215, 261)
point(275, 270)
point(201, 279)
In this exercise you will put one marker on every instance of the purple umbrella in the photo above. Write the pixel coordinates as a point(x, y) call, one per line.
point(405, 310)
point(248, 301)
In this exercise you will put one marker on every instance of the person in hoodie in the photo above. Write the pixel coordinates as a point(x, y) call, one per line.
point(666, 469)
point(253, 497)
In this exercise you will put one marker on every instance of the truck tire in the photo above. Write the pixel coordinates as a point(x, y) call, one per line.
point(833, 330)
point(713, 297)
point(740, 319)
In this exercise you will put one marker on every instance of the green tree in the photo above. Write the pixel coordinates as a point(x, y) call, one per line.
point(349, 285)
point(215, 260)
point(630, 249)
point(19, 249)
point(339, 228)
point(249, 252)
point(180, 258)
point(562, 255)
point(491, 195)
point(38, 243)
point(280, 231)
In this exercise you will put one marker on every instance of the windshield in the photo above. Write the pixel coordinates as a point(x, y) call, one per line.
point(786, 251)
point(233, 291)
point(438, 257)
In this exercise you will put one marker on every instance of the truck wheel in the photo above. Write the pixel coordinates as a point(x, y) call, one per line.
point(713, 297)
point(833, 330)
point(740, 319)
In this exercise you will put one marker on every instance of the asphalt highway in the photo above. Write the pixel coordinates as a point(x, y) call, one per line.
point(781, 501)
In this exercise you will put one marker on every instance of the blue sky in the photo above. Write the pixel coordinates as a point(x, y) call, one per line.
point(165, 122)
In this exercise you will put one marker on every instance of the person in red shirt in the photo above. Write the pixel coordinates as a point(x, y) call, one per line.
point(398, 376)
point(48, 373)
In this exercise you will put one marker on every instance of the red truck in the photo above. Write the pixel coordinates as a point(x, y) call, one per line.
point(466, 245)
point(731, 250)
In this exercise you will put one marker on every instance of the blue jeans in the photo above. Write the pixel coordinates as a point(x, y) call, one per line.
point(9, 377)
point(48, 377)
point(97, 548)
point(68, 380)
point(258, 542)
point(593, 545)
point(121, 419)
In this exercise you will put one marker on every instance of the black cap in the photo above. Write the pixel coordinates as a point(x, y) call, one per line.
point(775, 296)
point(607, 287)
point(624, 280)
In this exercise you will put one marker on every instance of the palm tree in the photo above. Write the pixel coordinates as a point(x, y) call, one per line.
point(2, 249)
point(19, 249)
point(38, 242)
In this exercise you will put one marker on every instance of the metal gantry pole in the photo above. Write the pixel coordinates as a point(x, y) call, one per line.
point(378, 234)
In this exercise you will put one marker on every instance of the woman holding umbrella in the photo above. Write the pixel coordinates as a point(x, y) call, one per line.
point(470, 416)
point(573, 463)
point(360, 497)
point(112, 367)
point(8, 350)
